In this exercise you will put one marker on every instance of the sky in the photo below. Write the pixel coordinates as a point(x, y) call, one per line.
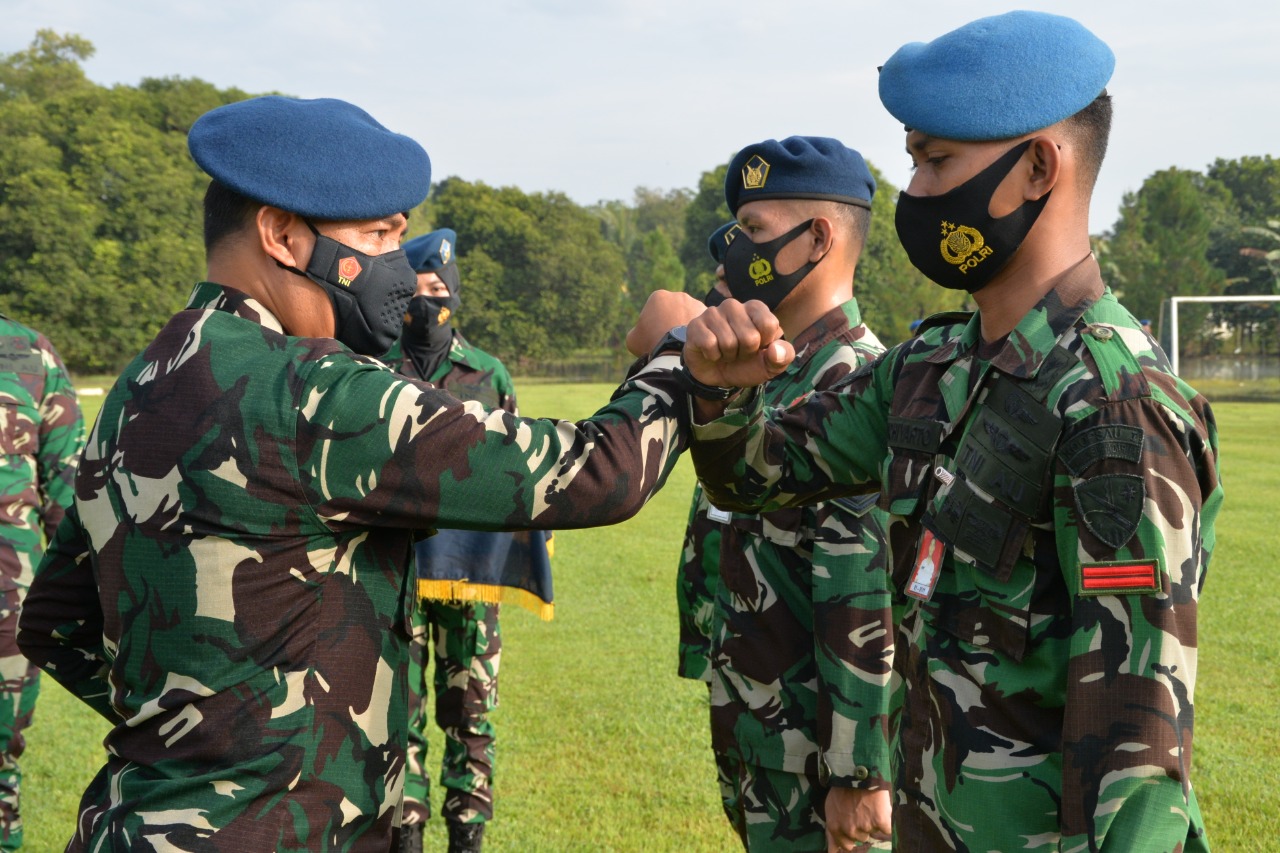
point(594, 98)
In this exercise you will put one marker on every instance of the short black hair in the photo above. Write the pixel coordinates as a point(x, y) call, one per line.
point(226, 212)
point(1091, 130)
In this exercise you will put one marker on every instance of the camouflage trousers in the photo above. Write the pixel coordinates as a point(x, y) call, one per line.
point(467, 648)
point(19, 687)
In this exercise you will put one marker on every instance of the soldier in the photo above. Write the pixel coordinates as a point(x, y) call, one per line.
point(466, 634)
point(41, 433)
point(1052, 485)
point(799, 709)
point(231, 587)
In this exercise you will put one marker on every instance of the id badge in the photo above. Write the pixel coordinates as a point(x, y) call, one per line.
point(924, 577)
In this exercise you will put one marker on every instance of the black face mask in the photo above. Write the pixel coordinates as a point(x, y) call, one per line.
point(975, 245)
point(369, 292)
point(428, 331)
point(750, 269)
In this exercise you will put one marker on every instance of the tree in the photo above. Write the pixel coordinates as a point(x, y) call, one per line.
point(1161, 243)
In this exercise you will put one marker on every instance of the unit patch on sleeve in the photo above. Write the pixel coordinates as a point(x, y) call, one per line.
point(1119, 578)
point(1110, 505)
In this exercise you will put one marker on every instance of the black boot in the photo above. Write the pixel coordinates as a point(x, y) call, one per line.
point(465, 837)
point(410, 838)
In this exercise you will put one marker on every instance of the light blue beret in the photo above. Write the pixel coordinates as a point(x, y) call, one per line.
point(718, 242)
point(323, 158)
point(798, 167)
point(997, 77)
point(432, 252)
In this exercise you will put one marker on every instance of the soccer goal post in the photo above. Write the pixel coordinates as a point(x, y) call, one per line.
point(1174, 301)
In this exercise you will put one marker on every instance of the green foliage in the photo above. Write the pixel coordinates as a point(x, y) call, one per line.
point(706, 212)
point(98, 199)
point(545, 281)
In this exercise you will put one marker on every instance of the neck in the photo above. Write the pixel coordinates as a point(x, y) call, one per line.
point(1031, 273)
point(812, 301)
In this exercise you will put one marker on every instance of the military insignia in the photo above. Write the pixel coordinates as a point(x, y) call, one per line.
point(348, 270)
point(446, 251)
point(963, 246)
point(754, 173)
point(928, 566)
point(1119, 578)
point(1110, 506)
point(761, 271)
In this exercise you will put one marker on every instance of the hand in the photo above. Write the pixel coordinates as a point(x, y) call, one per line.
point(662, 312)
point(737, 345)
point(857, 817)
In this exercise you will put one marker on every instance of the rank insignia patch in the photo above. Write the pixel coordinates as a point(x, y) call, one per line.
point(755, 172)
point(1119, 578)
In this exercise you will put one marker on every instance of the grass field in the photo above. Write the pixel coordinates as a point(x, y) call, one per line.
point(602, 748)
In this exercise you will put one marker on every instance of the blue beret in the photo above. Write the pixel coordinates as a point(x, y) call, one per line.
point(720, 239)
point(997, 77)
point(798, 167)
point(323, 158)
point(432, 252)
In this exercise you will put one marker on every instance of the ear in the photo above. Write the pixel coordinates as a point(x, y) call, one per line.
point(1046, 161)
point(280, 234)
point(823, 232)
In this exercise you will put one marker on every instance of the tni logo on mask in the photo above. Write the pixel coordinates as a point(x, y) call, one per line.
point(963, 246)
point(348, 270)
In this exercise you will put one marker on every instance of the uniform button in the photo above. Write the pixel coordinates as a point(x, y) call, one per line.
point(1102, 333)
point(860, 773)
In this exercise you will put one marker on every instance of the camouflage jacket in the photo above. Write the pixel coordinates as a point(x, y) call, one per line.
point(1067, 490)
point(801, 641)
point(230, 588)
point(41, 433)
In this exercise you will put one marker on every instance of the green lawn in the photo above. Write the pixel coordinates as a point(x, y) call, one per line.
point(602, 748)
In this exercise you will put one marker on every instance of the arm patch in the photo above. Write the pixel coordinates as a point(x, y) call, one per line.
point(1109, 441)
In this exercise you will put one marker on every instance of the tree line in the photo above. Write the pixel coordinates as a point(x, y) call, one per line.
point(100, 232)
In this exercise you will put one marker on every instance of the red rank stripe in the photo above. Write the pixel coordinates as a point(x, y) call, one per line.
point(1119, 577)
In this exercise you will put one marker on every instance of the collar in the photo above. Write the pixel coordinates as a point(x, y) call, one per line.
point(1039, 331)
point(208, 296)
point(834, 323)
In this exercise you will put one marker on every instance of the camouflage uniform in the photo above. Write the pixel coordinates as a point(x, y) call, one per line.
point(802, 635)
point(467, 638)
point(230, 587)
point(41, 433)
point(1067, 487)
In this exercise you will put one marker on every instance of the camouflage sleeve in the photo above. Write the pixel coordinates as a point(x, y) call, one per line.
point(829, 444)
point(854, 638)
point(61, 439)
point(61, 626)
point(365, 437)
point(696, 582)
point(1136, 495)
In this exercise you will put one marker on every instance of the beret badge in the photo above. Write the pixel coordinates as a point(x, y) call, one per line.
point(755, 172)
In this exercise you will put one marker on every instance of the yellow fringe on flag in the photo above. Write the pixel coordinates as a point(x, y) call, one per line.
point(457, 592)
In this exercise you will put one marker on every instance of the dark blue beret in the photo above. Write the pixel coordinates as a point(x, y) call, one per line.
point(997, 77)
point(798, 167)
point(323, 158)
point(431, 252)
point(718, 242)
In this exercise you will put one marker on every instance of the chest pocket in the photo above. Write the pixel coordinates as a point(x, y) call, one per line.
point(1004, 461)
